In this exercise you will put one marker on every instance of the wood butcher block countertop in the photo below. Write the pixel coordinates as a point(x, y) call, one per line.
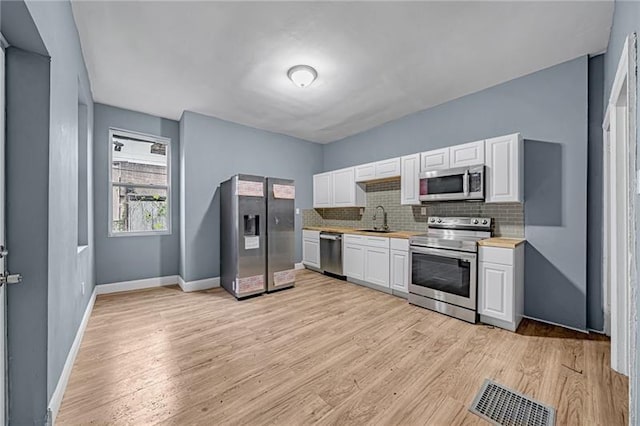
point(395, 234)
point(510, 243)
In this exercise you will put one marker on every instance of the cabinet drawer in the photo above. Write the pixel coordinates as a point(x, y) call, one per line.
point(399, 244)
point(502, 256)
point(380, 242)
point(354, 239)
point(310, 235)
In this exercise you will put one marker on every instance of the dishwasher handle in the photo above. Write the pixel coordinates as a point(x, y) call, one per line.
point(332, 237)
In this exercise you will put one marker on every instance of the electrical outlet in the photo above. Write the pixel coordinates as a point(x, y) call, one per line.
point(82, 287)
point(297, 211)
point(423, 211)
point(361, 211)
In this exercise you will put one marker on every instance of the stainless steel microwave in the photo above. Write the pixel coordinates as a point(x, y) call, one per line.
point(464, 183)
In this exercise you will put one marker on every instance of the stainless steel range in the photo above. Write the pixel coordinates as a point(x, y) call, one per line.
point(443, 265)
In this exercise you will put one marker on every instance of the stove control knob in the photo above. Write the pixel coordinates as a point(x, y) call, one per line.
point(475, 221)
point(432, 220)
point(439, 220)
point(484, 222)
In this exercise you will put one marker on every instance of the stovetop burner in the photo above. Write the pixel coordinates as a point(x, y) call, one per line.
point(454, 233)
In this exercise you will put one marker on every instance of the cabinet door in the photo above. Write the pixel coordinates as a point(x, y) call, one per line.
point(504, 169)
point(434, 160)
point(495, 291)
point(311, 252)
point(365, 172)
point(322, 186)
point(377, 266)
point(410, 180)
point(388, 168)
point(400, 271)
point(353, 261)
point(468, 154)
point(344, 188)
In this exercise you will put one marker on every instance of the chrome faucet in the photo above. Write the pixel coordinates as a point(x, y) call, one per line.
point(385, 226)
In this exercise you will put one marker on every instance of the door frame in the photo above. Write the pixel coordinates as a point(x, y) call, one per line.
point(619, 143)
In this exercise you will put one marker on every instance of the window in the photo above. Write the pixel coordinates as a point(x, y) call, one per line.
point(140, 189)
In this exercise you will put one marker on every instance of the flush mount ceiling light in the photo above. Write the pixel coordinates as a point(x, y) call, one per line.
point(302, 75)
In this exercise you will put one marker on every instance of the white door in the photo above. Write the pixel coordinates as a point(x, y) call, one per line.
point(503, 169)
point(434, 160)
point(366, 172)
point(495, 291)
point(353, 266)
point(311, 253)
point(468, 154)
point(410, 180)
point(3, 266)
point(344, 188)
point(377, 266)
point(388, 168)
point(322, 190)
point(399, 271)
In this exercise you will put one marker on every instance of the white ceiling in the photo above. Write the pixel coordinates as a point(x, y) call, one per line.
point(377, 61)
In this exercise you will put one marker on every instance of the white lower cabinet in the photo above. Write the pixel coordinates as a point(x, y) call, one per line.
point(376, 266)
point(501, 286)
point(353, 261)
point(311, 248)
point(399, 271)
point(366, 259)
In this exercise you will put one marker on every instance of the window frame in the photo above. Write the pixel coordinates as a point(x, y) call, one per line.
point(152, 139)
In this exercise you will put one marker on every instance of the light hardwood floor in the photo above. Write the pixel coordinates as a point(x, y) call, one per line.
point(326, 352)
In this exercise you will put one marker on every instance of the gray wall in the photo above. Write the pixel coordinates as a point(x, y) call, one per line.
point(595, 313)
point(136, 257)
point(549, 108)
point(44, 312)
point(626, 20)
point(213, 150)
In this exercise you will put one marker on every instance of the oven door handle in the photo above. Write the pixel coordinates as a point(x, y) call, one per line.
point(470, 257)
point(465, 183)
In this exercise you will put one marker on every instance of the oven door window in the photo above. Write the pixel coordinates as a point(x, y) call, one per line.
point(442, 185)
point(444, 274)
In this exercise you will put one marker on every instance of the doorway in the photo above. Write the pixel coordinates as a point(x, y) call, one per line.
point(619, 280)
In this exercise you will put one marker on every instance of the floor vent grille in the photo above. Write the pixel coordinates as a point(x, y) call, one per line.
point(505, 407)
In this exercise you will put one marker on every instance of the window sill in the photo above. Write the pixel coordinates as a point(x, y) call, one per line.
point(82, 248)
point(139, 234)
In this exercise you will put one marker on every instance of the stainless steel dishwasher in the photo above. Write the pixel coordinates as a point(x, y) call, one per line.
point(331, 253)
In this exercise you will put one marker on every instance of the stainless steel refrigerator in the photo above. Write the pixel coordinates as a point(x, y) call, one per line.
point(256, 235)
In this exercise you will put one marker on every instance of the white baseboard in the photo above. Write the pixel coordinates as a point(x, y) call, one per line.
point(136, 284)
point(58, 393)
point(556, 324)
point(205, 284)
point(299, 266)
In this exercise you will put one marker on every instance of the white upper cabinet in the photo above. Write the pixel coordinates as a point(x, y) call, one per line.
point(322, 190)
point(468, 154)
point(346, 193)
point(434, 160)
point(388, 168)
point(366, 172)
point(379, 170)
point(410, 180)
point(504, 169)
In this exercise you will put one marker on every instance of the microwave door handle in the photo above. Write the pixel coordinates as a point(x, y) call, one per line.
point(465, 183)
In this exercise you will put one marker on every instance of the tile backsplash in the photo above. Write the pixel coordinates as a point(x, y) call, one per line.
point(508, 218)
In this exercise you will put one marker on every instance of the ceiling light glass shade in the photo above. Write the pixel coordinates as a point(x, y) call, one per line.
point(302, 75)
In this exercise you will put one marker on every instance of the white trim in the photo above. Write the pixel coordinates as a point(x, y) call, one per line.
point(556, 324)
point(58, 393)
point(299, 266)
point(198, 285)
point(136, 284)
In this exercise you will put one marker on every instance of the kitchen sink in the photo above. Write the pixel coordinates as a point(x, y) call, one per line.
point(380, 231)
